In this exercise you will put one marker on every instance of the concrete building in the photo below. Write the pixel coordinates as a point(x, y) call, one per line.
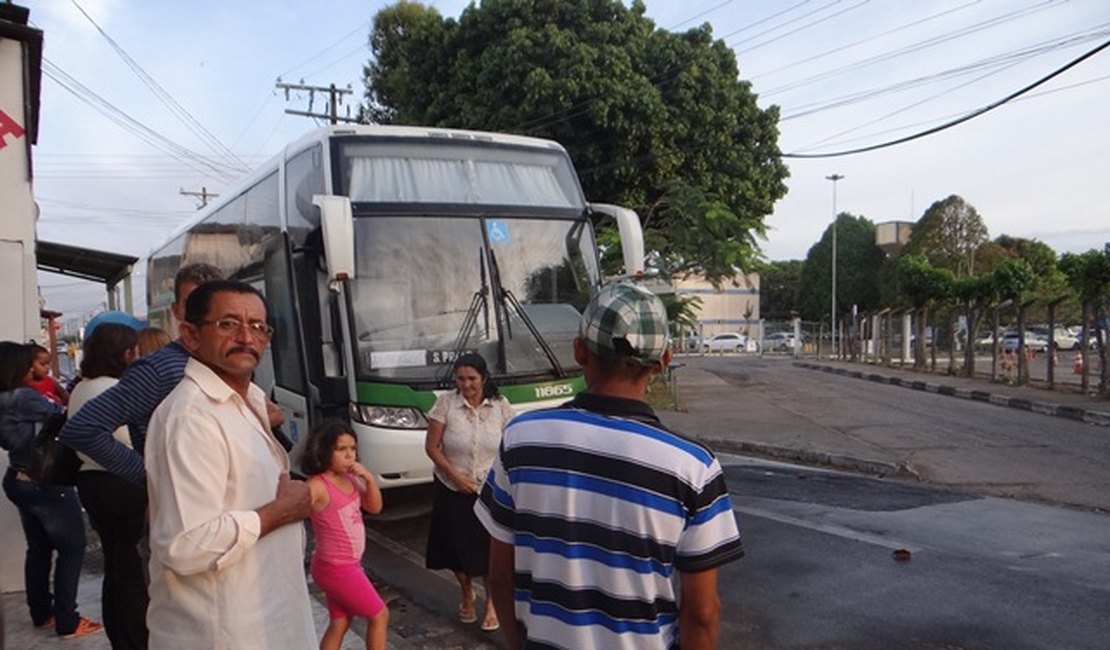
point(20, 75)
point(20, 72)
point(734, 307)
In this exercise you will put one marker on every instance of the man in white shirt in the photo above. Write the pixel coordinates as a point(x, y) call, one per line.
point(227, 568)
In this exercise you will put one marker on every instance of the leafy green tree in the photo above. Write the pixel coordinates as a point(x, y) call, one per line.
point(922, 284)
point(778, 288)
point(948, 235)
point(682, 312)
point(1089, 275)
point(858, 261)
point(975, 294)
point(655, 120)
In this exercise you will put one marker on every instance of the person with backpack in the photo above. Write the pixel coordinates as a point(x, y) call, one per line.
point(50, 514)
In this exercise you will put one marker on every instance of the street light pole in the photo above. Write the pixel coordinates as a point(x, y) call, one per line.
point(832, 307)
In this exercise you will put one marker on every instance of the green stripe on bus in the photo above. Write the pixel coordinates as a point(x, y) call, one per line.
point(400, 395)
point(394, 395)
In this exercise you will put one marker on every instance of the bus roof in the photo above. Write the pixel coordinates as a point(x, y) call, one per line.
point(370, 130)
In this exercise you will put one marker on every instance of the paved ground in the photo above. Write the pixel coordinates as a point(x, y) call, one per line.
point(723, 402)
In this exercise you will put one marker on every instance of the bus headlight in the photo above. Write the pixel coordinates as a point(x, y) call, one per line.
point(389, 417)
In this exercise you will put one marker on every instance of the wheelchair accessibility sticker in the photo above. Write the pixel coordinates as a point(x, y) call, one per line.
point(498, 231)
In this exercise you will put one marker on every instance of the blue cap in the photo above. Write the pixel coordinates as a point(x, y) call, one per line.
point(120, 317)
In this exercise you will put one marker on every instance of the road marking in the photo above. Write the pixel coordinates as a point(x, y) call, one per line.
point(831, 529)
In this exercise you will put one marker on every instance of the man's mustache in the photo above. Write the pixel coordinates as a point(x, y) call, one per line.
point(242, 348)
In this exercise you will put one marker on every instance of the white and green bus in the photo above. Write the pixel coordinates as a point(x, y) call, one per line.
point(384, 252)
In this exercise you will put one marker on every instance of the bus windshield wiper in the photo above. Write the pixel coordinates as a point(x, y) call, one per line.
point(479, 302)
point(505, 298)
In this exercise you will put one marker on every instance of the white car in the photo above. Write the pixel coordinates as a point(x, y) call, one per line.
point(725, 342)
point(1033, 341)
point(780, 341)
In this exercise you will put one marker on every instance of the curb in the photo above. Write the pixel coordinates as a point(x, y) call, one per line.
point(809, 457)
point(1076, 413)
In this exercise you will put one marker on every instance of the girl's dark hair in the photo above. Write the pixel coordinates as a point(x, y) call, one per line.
point(316, 457)
point(15, 362)
point(478, 362)
point(105, 351)
point(37, 349)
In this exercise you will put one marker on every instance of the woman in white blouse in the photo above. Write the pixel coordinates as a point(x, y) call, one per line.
point(464, 434)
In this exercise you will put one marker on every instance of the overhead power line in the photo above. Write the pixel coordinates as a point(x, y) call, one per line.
point(960, 120)
point(191, 158)
point(166, 98)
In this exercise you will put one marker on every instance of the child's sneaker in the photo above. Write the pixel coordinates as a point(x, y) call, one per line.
point(84, 627)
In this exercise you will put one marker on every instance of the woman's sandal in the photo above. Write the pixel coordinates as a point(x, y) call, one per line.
point(467, 614)
point(491, 626)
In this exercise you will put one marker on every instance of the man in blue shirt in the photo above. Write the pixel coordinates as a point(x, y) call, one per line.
point(116, 498)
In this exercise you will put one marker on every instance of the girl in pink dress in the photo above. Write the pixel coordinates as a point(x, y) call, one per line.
point(339, 485)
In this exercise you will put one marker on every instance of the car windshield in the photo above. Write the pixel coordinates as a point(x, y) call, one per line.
point(430, 287)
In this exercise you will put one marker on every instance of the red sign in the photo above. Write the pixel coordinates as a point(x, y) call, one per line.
point(8, 126)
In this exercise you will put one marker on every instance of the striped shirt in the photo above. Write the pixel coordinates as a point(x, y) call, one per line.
point(129, 403)
point(603, 505)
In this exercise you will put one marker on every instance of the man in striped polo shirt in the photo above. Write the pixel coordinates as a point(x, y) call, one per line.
point(595, 506)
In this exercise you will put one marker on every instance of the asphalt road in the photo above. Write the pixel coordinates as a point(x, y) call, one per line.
point(821, 569)
point(745, 403)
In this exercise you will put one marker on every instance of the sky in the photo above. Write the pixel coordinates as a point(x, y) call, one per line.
point(198, 80)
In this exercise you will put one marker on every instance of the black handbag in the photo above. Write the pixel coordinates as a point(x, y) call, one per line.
point(51, 460)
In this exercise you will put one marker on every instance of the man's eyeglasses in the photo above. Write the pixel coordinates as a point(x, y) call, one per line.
point(232, 326)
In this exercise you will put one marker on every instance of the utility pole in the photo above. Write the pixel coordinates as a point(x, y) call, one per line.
point(832, 310)
point(335, 97)
point(204, 195)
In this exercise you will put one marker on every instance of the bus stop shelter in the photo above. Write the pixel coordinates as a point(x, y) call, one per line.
point(111, 269)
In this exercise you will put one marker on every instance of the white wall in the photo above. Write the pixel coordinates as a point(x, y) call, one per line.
point(19, 318)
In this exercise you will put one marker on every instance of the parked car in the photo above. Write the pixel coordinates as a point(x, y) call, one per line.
point(1063, 339)
point(1033, 341)
point(780, 342)
point(725, 342)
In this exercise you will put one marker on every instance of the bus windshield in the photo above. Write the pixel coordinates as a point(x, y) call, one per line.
point(429, 287)
point(459, 173)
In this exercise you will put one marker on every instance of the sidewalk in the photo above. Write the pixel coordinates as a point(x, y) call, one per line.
point(1065, 402)
point(21, 635)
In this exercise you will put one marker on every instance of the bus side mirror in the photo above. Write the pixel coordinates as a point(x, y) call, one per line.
point(632, 236)
point(339, 234)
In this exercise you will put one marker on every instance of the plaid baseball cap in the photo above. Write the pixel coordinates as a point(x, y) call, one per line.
point(625, 321)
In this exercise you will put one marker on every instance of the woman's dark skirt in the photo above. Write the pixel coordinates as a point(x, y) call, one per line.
point(456, 539)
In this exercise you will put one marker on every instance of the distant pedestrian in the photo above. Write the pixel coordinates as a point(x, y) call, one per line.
point(608, 528)
point(50, 514)
point(116, 509)
point(226, 538)
point(339, 486)
point(464, 433)
point(151, 339)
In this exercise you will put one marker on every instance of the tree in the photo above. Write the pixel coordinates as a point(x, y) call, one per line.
point(682, 312)
point(975, 294)
point(948, 235)
point(778, 289)
point(922, 284)
point(858, 261)
point(654, 120)
point(1089, 276)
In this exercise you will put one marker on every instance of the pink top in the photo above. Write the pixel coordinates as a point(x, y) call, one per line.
point(340, 533)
